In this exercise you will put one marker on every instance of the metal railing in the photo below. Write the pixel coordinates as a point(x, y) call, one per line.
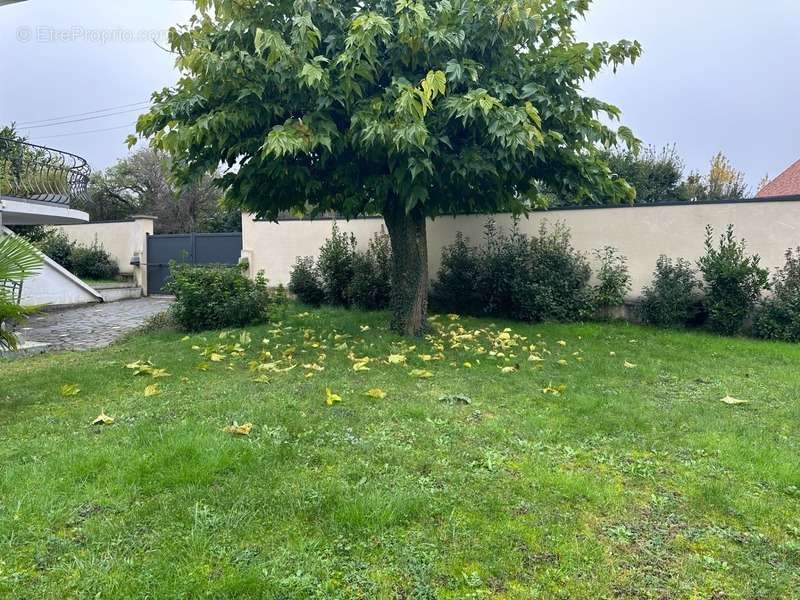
point(34, 172)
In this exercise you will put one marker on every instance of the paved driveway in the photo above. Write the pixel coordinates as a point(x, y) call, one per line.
point(93, 326)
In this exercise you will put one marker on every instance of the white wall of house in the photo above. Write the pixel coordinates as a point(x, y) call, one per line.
point(54, 285)
point(641, 233)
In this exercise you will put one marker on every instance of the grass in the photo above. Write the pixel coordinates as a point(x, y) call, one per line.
point(634, 482)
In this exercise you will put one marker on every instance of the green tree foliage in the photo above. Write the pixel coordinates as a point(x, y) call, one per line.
point(141, 184)
point(656, 175)
point(18, 261)
point(405, 108)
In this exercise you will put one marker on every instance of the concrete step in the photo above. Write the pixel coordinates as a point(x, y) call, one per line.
point(114, 292)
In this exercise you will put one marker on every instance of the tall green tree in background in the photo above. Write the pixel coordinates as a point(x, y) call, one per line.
point(408, 109)
point(140, 183)
point(656, 175)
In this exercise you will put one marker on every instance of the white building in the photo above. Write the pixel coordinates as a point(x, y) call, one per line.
point(37, 185)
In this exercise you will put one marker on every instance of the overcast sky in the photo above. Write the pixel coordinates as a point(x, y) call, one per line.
point(715, 74)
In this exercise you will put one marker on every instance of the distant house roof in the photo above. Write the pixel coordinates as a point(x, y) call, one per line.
point(785, 184)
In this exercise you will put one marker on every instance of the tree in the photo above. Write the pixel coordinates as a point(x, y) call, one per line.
point(140, 183)
point(408, 109)
point(723, 182)
point(655, 174)
point(18, 261)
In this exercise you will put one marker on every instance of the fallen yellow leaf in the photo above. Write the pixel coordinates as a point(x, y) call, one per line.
point(730, 400)
point(103, 419)
point(555, 390)
point(151, 390)
point(237, 429)
point(397, 359)
point(421, 373)
point(331, 398)
point(70, 389)
point(629, 365)
point(376, 393)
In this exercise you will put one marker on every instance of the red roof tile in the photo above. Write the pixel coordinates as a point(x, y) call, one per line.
point(785, 184)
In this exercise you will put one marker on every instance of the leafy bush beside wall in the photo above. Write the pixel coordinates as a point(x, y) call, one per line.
point(516, 276)
point(93, 262)
point(216, 297)
point(305, 282)
point(778, 317)
point(343, 276)
point(671, 300)
point(614, 279)
point(370, 286)
point(733, 281)
point(86, 262)
point(455, 288)
point(335, 265)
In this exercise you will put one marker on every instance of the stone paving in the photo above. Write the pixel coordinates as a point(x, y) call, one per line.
point(93, 326)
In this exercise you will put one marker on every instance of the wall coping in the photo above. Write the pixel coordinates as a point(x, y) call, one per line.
point(765, 200)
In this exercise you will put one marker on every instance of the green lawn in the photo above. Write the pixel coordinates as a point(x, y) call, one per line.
point(635, 482)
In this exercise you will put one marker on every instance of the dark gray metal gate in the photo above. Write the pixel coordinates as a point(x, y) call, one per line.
point(193, 248)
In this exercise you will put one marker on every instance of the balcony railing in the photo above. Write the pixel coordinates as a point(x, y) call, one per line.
point(34, 172)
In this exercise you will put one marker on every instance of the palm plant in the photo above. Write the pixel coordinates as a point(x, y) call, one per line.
point(18, 261)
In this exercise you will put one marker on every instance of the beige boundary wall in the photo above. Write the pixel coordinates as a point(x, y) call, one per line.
point(123, 240)
point(641, 233)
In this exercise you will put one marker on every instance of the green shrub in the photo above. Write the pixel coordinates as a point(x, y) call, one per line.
point(455, 289)
point(216, 297)
point(517, 277)
point(370, 287)
point(671, 299)
point(555, 284)
point(280, 302)
point(733, 281)
point(305, 282)
point(58, 246)
point(335, 265)
point(93, 262)
point(614, 279)
point(778, 317)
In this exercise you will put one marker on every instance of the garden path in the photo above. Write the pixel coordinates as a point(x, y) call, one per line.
point(93, 326)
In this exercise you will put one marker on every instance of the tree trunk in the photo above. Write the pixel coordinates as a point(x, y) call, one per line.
point(409, 268)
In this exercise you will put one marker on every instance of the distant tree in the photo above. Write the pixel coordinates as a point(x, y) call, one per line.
point(656, 175)
point(141, 183)
point(403, 108)
point(723, 182)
